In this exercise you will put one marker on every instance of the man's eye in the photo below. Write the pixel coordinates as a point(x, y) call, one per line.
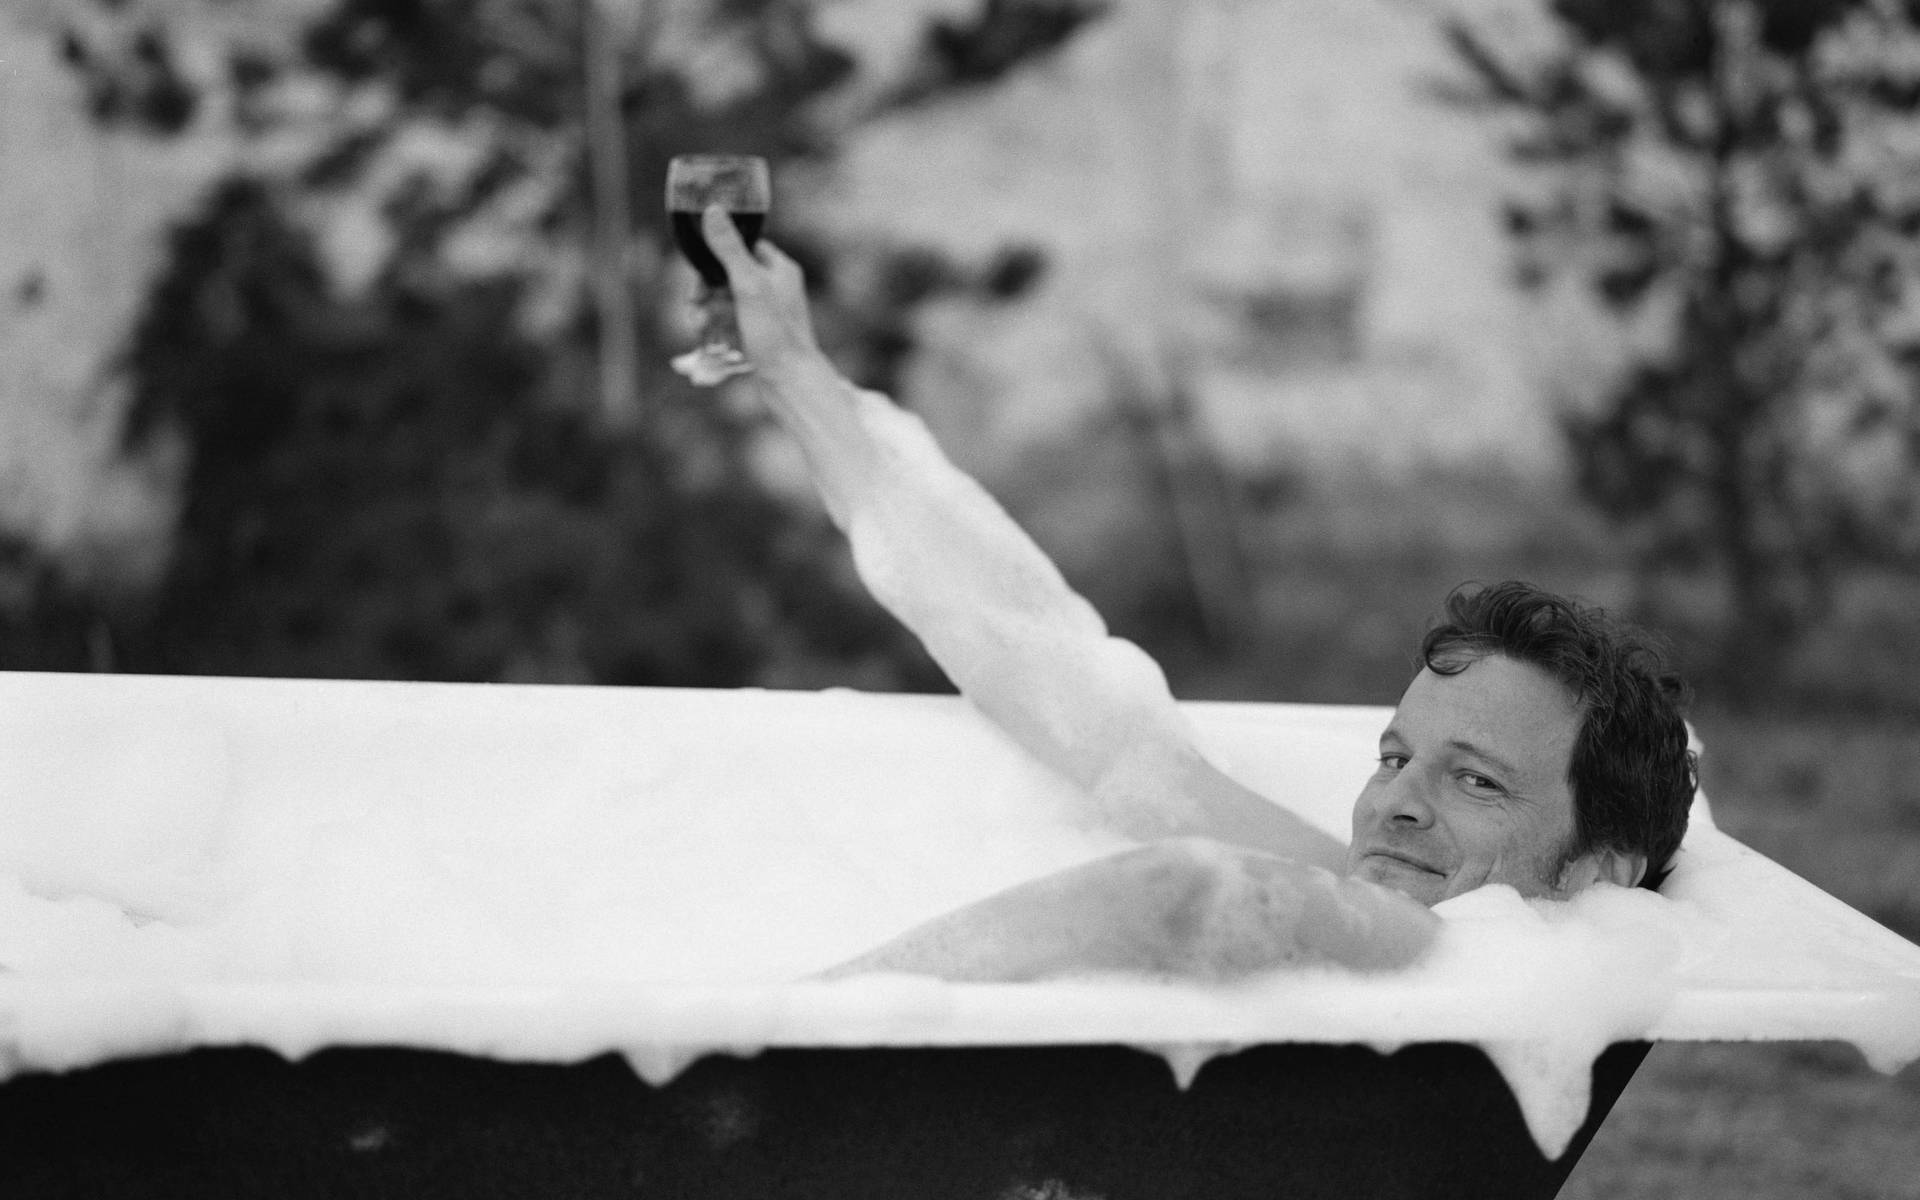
point(1481, 783)
point(1393, 762)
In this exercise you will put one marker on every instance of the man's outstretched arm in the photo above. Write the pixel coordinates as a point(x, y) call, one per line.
point(991, 608)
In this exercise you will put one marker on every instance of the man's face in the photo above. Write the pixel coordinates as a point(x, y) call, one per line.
point(1472, 786)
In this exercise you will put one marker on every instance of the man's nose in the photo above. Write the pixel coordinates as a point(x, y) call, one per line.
point(1406, 800)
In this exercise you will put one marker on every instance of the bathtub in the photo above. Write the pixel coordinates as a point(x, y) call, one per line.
point(294, 937)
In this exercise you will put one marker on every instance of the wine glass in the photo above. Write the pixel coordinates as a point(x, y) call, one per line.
point(741, 184)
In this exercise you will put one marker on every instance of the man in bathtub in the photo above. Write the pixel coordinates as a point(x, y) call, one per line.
point(1541, 746)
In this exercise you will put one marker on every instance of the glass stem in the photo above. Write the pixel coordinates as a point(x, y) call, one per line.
point(720, 326)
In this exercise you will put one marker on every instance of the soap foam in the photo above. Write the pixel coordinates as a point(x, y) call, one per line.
point(392, 904)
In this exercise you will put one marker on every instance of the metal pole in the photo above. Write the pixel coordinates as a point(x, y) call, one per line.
point(1205, 514)
point(606, 152)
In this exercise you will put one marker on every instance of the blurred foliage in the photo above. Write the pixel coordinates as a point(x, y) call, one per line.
point(137, 84)
point(378, 343)
point(1001, 36)
point(1738, 181)
point(391, 488)
point(46, 622)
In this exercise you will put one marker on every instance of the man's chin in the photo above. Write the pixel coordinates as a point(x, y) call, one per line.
point(1416, 883)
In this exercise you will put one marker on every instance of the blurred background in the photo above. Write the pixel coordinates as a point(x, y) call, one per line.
point(335, 334)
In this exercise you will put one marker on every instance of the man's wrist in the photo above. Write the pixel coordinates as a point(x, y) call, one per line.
point(784, 357)
point(798, 370)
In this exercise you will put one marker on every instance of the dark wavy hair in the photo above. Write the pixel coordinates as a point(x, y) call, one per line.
point(1633, 776)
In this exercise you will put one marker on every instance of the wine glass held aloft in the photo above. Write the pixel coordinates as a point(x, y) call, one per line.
point(741, 184)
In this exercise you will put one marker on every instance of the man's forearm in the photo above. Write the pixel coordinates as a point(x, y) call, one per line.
point(992, 609)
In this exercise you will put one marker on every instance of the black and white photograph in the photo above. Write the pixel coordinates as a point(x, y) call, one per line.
point(960, 599)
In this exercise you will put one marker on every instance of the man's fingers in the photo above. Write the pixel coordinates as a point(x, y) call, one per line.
point(782, 272)
point(723, 239)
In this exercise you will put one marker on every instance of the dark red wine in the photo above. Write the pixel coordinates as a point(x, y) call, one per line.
point(693, 243)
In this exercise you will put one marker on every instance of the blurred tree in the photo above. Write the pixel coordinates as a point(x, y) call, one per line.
point(46, 622)
point(1740, 179)
point(382, 343)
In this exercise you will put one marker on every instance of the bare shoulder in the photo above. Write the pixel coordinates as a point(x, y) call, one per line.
point(1248, 911)
point(1181, 908)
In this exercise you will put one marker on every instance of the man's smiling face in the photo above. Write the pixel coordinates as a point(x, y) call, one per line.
point(1472, 786)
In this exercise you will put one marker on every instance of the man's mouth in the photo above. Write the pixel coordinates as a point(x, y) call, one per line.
point(1394, 857)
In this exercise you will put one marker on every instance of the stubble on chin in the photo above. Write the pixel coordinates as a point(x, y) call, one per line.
point(1415, 883)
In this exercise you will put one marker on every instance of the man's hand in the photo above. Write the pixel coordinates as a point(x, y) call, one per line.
point(770, 296)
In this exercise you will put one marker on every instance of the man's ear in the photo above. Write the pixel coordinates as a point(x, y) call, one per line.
point(1620, 867)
